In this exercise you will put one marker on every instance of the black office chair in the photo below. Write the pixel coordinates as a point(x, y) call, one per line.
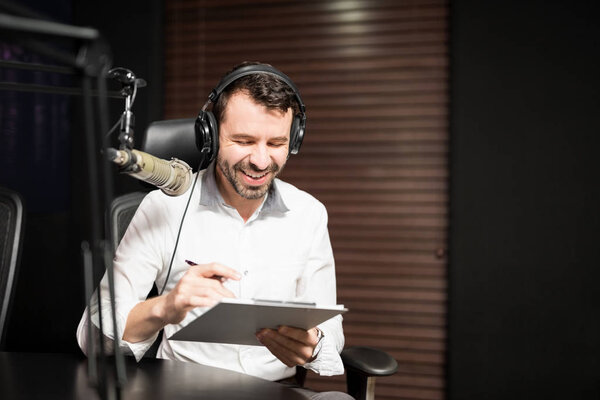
point(175, 138)
point(12, 220)
point(122, 210)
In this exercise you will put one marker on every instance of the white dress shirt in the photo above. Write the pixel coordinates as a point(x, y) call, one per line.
point(283, 252)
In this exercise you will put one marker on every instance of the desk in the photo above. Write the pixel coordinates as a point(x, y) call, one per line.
point(64, 377)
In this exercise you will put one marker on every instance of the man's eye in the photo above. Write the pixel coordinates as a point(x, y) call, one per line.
point(243, 142)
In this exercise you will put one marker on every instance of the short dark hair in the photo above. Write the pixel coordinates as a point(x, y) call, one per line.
point(265, 89)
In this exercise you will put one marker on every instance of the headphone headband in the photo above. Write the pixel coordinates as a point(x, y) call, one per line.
point(251, 70)
point(207, 127)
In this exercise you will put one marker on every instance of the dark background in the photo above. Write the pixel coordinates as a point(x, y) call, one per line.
point(49, 298)
point(523, 273)
point(523, 260)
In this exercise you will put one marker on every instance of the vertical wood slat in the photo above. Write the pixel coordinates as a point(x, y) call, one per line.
point(373, 75)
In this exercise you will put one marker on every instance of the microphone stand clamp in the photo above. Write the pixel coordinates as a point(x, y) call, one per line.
point(129, 84)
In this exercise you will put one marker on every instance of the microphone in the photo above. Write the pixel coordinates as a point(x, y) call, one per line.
point(126, 77)
point(129, 86)
point(173, 177)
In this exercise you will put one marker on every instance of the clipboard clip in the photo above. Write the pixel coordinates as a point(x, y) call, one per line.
point(296, 303)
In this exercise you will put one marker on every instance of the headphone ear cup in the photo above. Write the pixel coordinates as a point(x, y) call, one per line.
point(207, 136)
point(296, 133)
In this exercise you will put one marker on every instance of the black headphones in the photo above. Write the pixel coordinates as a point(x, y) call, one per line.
point(207, 128)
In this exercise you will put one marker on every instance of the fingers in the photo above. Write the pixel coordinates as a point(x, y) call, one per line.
point(308, 337)
point(198, 288)
point(199, 301)
point(192, 285)
point(184, 297)
point(289, 351)
point(283, 353)
point(210, 275)
point(215, 287)
point(215, 270)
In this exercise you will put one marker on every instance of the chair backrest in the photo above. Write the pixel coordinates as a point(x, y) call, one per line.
point(122, 210)
point(164, 139)
point(173, 138)
point(11, 234)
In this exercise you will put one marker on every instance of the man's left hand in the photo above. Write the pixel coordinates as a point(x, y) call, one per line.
point(292, 346)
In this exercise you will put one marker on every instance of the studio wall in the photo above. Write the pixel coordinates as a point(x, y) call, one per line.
point(523, 260)
point(374, 78)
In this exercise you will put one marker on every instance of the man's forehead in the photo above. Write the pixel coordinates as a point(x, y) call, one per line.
point(242, 96)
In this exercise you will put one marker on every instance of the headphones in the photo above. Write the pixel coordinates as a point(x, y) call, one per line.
point(207, 128)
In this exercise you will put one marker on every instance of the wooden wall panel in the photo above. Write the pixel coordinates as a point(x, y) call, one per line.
point(374, 77)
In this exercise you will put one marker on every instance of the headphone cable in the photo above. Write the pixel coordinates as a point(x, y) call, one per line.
point(203, 156)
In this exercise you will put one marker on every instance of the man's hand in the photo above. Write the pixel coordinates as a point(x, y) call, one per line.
point(200, 286)
point(292, 346)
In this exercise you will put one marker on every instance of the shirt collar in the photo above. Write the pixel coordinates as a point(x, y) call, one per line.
point(210, 195)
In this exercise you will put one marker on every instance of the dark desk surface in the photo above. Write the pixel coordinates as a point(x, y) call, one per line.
point(64, 376)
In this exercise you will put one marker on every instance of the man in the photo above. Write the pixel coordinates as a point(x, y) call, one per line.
point(262, 237)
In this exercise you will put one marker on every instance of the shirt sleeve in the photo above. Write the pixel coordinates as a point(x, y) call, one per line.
point(137, 262)
point(318, 284)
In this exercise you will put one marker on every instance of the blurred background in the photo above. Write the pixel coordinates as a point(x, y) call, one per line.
point(454, 144)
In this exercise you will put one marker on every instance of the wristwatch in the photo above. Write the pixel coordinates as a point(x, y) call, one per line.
point(317, 349)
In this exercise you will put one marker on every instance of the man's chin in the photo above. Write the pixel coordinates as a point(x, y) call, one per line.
point(254, 192)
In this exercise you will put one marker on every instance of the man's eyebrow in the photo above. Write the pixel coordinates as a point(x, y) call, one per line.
point(244, 136)
point(241, 136)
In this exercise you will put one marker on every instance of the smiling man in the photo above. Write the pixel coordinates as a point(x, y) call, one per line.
point(263, 237)
point(253, 148)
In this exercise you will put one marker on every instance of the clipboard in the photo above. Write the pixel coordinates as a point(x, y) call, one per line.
point(236, 321)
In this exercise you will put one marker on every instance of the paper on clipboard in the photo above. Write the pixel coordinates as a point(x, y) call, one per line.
point(236, 321)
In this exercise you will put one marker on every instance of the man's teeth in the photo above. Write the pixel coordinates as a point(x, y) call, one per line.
point(255, 176)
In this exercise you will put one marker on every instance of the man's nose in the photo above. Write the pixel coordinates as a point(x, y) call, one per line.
point(260, 157)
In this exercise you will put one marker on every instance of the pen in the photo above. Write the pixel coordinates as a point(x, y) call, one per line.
point(217, 277)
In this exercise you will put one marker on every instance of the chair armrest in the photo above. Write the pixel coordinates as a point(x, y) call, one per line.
point(369, 361)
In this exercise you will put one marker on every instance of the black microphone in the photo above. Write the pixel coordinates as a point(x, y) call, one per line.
point(173, 177)
point(126, 77)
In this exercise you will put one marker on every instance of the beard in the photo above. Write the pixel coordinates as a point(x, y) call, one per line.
point(247, 191)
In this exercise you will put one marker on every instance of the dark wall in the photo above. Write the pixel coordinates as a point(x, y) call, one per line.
point(524, 271)
point(49, 295)
point(134, 31)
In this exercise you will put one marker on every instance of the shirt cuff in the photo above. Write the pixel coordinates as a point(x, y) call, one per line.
point(138, 349)
point(328, 361)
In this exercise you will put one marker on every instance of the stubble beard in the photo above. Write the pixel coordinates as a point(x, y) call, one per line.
point(244, 190)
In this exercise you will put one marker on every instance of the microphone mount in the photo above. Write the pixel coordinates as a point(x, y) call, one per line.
point(129, 85)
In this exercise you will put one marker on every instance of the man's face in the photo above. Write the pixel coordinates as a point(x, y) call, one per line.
point(253, 147)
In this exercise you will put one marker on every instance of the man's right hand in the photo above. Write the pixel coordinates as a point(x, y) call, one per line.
point(200, 286)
